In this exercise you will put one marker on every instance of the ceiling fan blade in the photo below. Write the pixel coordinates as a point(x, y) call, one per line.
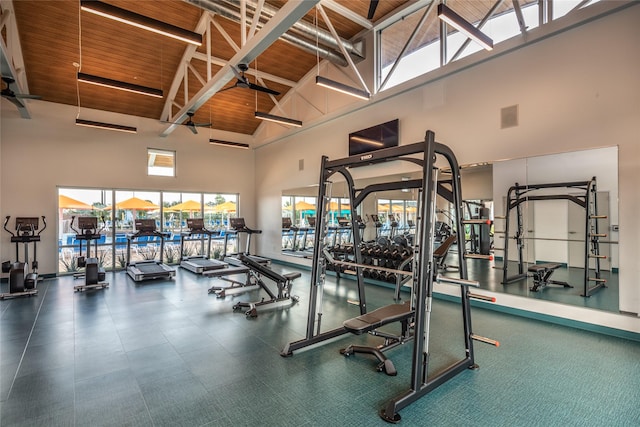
point(27, 96)
point(15, 101)
point(192, 128)
point(373, 5)
point(228, 88)
point(263, 89)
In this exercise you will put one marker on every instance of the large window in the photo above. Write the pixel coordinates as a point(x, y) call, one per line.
point(411, 46)
point(117, 211)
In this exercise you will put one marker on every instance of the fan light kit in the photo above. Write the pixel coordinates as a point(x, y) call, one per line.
point(340, 87)
point(140, 21)
point(229, 144)
point(278, 119)
point(107, 126)
point(116, 84)
point(459, 23)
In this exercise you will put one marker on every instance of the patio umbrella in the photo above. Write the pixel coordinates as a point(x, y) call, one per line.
point(135, 204)
point(304, 206)
point(189, 205)
point(66, 202)
point(224, 207)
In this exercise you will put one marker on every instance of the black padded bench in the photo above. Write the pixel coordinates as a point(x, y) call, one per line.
point(284, 283)
point(441, 252)
point(542, 276)
point(369, 322)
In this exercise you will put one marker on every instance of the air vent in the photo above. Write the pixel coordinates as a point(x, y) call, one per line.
point(509, 117)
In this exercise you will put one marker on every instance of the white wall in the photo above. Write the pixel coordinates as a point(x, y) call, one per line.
point(50, 150)
point(576, 90)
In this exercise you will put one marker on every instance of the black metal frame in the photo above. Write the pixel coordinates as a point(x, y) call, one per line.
point(586, 201)
point(423, 268)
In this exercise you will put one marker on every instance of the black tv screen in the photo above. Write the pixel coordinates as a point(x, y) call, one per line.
point(384, 135)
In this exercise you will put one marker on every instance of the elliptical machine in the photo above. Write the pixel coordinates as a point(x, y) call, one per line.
point(94, 275)
point(21, 281)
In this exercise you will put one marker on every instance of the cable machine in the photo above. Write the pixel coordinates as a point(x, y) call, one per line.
point(519, 194)
point(424, 272)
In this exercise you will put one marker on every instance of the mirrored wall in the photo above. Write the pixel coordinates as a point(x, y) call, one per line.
point(562, 211)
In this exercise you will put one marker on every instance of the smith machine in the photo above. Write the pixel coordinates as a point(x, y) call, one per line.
point(519, 194)
point(417, 314)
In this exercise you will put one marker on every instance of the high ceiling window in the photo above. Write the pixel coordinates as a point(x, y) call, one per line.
point(411, 46)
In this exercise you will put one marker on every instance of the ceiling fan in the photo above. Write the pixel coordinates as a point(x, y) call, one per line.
point(243, 82)
point(13, 97)
point(192, 125)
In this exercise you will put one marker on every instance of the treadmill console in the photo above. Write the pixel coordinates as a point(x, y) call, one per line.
point(343, 221)
point(237, 223)
point(145, 225)
point(195, 223)
point(286, 223)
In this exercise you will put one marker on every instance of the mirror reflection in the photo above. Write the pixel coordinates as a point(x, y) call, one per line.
point(548, 216)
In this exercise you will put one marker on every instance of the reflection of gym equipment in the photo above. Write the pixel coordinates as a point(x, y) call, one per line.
point(239, 227)
point(479, 228)
point(542, 276)
point(284, 283)
point(290, 233)
point(198, 263)
point(519, 194)
point(94, 275)
point(21, 281)
point(148, 269)
point(377, 224)
point(423, 276)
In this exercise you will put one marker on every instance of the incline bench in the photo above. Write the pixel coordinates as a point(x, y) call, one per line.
point(369, 322)
point(284, 283)
point(441, 252)
point(542, 276)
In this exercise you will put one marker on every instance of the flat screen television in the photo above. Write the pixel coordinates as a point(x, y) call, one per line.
point(384, 135)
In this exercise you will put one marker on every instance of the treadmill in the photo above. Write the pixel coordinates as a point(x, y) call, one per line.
point(147, 269)
point(198, 264)
point(237, 227)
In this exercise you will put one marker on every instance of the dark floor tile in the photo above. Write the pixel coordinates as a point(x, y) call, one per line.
point(112, 409)
point(96, 364)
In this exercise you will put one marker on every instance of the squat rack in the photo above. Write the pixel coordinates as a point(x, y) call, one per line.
point(424, 271)
point(518, 194)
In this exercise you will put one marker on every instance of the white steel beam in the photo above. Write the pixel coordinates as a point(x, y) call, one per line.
point(289, 14)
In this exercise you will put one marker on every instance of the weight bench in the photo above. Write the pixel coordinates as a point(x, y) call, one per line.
point(284, 282)
point(542, 276)
point(370, 322)
point(231, 266)
point(441, 252)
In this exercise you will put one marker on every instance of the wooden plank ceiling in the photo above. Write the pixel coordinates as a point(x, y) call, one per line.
point(56, 37)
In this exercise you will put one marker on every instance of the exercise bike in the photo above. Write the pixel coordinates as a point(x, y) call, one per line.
point(21, 281)
point(94, 275)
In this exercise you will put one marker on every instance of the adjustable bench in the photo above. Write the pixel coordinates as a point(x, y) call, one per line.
point(231, 266)
point(284, 282)
point(542, 276)
point(441, 252)
point(369, 322)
